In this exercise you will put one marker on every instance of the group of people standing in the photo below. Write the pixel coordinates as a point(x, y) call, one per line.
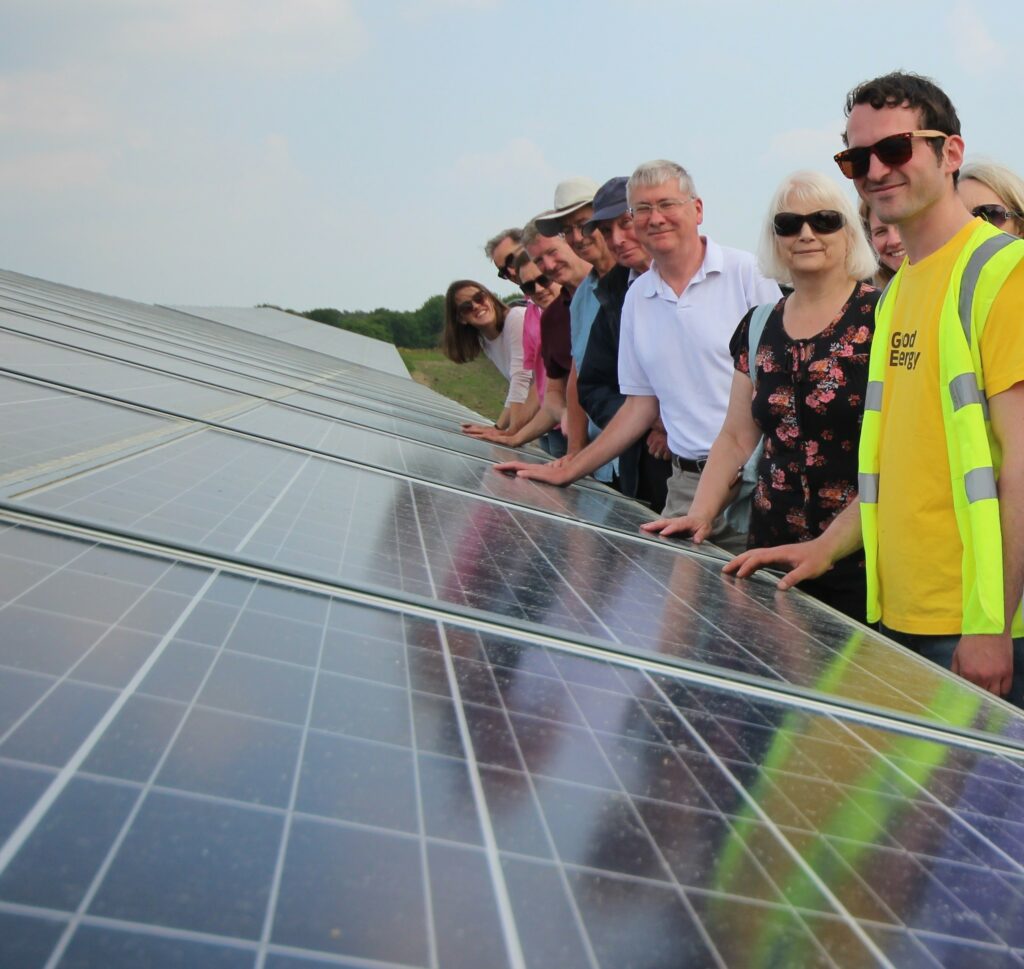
point(761, 403)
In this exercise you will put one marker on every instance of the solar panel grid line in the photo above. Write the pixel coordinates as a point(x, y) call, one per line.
point(275, 886)
point(201, 422)
point(272, 395)
point(956, 818)
point(168, 343)
point(457, 414)
point(746, 590)
point(484, 621)
point(756, 809)
point(638, 819)
point(552, 845)
point(229, 338)
point(97, 880)
point(248, 435)
point(208, 338)
point(123, 925)
point(102, 456)
point(24, 830)
point(510, 934)
point(19, 721)
point(818, 825)
point(284, 390)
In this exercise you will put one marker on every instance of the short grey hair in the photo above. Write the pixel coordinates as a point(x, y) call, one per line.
point(658, 172)
point(516, 235)
point(813, 187)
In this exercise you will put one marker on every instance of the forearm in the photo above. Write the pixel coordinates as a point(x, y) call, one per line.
point(575, 419)
point(727, 457)
point(521, 414)
point(631, 422)
point(844, 536)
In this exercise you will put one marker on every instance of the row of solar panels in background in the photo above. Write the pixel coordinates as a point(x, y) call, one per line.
point(290, 676)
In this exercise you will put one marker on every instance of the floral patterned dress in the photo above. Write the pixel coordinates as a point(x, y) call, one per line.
point(808, 404)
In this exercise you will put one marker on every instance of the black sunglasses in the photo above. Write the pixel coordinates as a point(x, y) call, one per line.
point(998, 215)
point(825, 221)
point(530, 286)
point(505, 272)
point(893, 151)
point(480, 298)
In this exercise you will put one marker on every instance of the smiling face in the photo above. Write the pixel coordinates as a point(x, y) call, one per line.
point(621, 238)
point(886, 241)
point(900, 193)
point(662, 233)
point(557, 261)
point(543, 296)
point(475, 308)
point(590, 248)
point(811, 251)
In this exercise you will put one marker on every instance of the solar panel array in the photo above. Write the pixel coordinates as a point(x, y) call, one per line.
point(291, 678)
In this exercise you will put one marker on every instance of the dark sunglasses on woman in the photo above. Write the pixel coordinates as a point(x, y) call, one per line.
point(530, 286)
point(892, 152)
point(998, 215)
point(825, 221)
point(479, 298)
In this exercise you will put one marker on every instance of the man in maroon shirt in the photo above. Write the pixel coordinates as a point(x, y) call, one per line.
point(556, 259)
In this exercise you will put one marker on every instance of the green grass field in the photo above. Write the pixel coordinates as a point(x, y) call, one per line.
point(477, 385)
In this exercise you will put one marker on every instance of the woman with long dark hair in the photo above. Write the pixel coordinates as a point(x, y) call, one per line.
point(475, 322)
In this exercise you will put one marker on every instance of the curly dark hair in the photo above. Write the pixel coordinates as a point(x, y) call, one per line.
point(903, 89)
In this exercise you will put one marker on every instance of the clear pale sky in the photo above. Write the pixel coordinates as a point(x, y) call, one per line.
point(357, 153)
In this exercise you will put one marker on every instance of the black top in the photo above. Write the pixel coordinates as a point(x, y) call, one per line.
point(597, 382)
point(808, 403)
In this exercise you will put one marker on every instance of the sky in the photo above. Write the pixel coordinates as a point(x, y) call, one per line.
point(358, 153)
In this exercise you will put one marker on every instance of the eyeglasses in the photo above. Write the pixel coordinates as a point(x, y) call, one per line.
point(505, 272)
point(998, 215)
point(569, 229)
point(479, 298)
point(893, 151)
point(643, 210)
point(530, 286)
point(825, 221)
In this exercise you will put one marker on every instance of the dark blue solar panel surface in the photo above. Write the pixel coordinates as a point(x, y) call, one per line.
point(262, 705)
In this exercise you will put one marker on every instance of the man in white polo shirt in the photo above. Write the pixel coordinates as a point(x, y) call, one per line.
point(677, 321)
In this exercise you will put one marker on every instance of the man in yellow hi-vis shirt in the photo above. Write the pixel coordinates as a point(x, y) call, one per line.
point(941, 508)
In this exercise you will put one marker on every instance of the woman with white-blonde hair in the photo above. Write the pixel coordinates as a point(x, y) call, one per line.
point(803, 391)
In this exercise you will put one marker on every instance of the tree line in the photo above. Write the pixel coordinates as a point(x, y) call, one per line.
point(404, 328)
point(410, 329)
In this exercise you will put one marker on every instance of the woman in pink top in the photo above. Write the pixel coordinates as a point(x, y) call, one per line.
point(540, 292)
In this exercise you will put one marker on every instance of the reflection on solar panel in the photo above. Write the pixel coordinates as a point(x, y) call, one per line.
point(290, 678)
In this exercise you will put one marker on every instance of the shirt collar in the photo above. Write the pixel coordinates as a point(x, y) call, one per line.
point(651, 283)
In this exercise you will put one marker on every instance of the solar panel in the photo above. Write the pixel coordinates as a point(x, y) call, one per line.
point(279, 692)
